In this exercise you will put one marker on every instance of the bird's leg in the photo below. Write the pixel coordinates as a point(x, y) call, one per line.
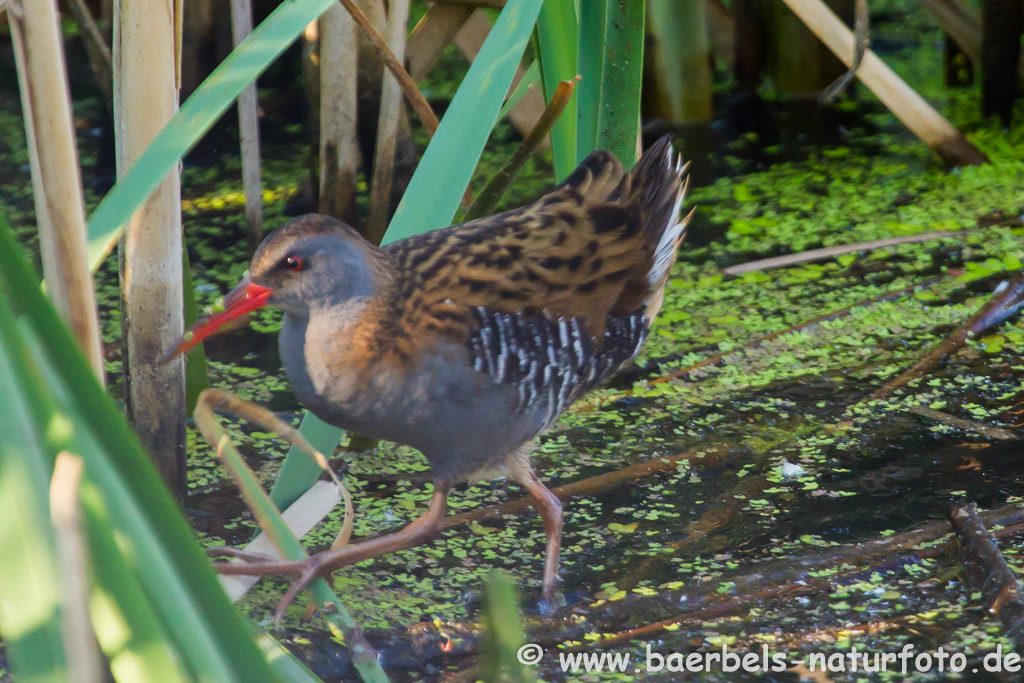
point(418, 531)
point(550, 508)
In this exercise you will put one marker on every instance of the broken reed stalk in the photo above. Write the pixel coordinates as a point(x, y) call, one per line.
point(836, 250)
point(301, 516)
point(56, 178)
point(920, 117)
point(248, 132)
point(496, 187)
point(80, 645)
point(412, 93)
point(720, 357)
point(601, 483)
point(339, 107)
point(1003, 304)
point(390, 117)
point(987, 570)
point(146, 97)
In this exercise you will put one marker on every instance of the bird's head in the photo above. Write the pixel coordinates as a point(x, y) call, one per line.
point(312, 261)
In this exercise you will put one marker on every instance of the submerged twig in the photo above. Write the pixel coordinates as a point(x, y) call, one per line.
point(836, 250)
point(499, 183)
point(966, 425)
point(988, 571)
point(430, 640)
point(716, 517)
point(1006, 301)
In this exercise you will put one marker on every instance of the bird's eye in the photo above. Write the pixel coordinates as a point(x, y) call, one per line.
point(294, 263)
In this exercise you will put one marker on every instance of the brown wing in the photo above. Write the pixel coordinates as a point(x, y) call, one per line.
point(569, 254)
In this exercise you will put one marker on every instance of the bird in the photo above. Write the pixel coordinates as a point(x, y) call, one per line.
point(466, 342)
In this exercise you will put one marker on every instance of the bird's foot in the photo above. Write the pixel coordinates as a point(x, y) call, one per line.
point(323, 563)
point(255, 564)
point(551, 600)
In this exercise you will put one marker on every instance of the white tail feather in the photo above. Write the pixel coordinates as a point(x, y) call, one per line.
point(668, 244)
point(665, 252)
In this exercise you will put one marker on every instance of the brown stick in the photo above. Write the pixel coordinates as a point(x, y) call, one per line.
point(719, 357)
point(988, 571)
point(492, 193)
point(836, 250)
point(1001, 306)
point(967, 425)
point(920, 117)
point(600, 483)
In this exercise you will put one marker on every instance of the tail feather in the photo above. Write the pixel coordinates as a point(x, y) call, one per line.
point(657, 186)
